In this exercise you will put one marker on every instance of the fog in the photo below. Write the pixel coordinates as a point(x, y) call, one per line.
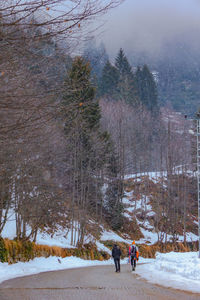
point(147, 25)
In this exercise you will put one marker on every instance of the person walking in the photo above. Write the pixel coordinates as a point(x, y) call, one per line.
point(116, 253)
point(133, 255)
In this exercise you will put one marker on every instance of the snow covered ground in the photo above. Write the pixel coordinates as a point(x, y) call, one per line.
point(131, 207)
point(60, 238)
point(112, 236)
point(176, 270)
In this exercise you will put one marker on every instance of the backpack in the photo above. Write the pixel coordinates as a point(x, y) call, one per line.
point(133, 251)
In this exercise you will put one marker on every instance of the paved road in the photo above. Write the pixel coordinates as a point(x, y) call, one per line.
point(93, 283)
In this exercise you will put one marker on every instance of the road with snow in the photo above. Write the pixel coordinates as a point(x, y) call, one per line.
point(98, 282)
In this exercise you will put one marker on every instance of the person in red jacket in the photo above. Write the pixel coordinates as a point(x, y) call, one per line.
point(133, 255)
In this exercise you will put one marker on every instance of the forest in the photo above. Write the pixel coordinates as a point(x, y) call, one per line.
point(72, 127)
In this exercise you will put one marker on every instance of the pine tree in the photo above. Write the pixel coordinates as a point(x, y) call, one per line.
point(79, 97)
point(113, 198)
point(122, 64)
point(109, 80)
point(126, 85)
point(147, 89)
point(87, 146)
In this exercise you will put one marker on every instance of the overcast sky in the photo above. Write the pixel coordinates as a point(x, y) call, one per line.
point(147, 24)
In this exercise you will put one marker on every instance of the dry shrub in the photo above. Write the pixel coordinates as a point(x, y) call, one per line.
point(123, 246)
point(24, 251)
point(147, 251)
point(18, 250)
point(3, 251)
point(132, 229)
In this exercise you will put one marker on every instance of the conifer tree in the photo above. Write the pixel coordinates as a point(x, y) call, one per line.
point(87, 146)
point(126, 86)
point(146, 87)
point(79, 97)
point(114, 194)
point(122, 64)
point(109, 80)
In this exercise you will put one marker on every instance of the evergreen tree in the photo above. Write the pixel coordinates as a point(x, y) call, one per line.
point(147, 89)
point(109, 80)
point(87, 146)
point(113, 199)
point(79, 97)
point(122, 64)
point(126, 85)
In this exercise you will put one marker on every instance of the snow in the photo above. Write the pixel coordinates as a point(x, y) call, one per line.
point(191, 131)
point(9, 230)
point(151, 214)
point(127, 197)
point(101, 247)
point(112, 236)
point(126, 215)
point(61, 238)
point(190, 237)
point(149, 236)
point(143, 204)
point(151, 175)
point(133, 207)
point(157, 175)
point(176, 270)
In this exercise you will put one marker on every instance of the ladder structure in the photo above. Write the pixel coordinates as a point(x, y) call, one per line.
point(198, 174)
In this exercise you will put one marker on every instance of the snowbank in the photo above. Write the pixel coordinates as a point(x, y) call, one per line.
point(176, 270)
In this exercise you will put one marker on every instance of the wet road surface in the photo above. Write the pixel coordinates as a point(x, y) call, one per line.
point(92, 283)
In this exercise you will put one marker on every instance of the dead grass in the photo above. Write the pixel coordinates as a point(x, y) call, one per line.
point(24, 251)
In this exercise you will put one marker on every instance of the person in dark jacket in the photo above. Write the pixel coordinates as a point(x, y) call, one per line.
point(116, 253)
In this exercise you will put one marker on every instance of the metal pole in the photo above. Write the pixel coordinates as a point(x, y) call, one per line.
point(198, 174)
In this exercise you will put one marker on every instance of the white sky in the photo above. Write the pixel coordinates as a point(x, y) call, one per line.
point(146, 24)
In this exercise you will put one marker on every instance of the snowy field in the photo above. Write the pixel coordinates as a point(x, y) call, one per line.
point(176, 270)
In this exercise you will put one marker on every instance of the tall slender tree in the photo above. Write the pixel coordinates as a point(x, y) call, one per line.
point(126, 84)
point(147, 89)
point(109, 81)
point(86, 146)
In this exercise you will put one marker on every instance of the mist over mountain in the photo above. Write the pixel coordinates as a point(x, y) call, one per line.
point(165, 36)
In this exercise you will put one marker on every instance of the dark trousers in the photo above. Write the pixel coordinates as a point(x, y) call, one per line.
point(117, 264)
point(133, 261)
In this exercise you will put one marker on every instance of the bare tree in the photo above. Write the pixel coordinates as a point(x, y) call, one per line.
point(30, 92)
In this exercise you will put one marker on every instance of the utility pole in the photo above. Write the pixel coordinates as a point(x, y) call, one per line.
point(197, 119)
point(198, 171)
